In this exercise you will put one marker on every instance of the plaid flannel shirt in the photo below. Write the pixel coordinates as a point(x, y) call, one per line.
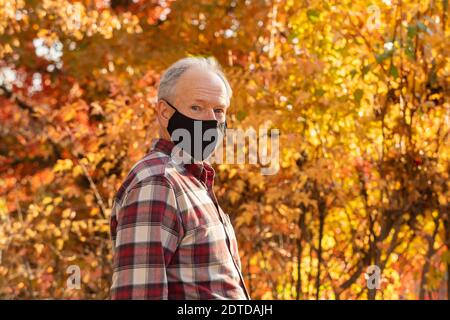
point(171, 239)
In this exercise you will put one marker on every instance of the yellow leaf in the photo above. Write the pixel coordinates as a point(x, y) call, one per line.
point(94, 211)
point(59, 244)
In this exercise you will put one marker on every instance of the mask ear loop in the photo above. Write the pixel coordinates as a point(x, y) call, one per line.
point(170, 104)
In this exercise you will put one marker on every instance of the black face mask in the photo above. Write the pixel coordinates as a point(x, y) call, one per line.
point(198, 138)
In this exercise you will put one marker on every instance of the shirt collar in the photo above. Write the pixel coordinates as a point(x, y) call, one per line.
point(162, 145)
point(202, 171)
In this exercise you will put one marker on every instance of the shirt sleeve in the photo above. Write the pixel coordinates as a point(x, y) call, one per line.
point(147, 235)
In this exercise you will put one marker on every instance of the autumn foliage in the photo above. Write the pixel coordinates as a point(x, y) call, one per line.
point(358, 89)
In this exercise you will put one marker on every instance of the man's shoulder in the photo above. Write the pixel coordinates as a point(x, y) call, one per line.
point(155, 168)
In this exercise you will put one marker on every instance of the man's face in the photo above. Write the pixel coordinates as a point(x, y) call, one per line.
point(199, 94)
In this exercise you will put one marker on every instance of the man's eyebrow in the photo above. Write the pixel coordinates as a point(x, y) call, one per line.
point(206, 102)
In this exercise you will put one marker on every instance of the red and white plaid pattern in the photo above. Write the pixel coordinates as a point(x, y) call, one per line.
point(171, 240)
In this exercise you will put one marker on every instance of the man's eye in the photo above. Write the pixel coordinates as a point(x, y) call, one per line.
point(196, 108)
point(218, 111)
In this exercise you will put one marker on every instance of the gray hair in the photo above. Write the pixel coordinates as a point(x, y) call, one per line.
point(173, 73)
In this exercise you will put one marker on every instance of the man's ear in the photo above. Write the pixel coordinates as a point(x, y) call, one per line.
point(164, 112)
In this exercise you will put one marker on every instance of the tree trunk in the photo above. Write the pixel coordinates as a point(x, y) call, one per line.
point(301, 224)
point(430, 253)
point(319, 250)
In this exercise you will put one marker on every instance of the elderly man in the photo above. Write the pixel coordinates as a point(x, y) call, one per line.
point(171, 239)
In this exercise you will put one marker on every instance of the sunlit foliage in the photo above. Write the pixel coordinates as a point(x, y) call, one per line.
point(359, 91)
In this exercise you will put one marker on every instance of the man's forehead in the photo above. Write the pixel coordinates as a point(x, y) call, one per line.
point(202, 86)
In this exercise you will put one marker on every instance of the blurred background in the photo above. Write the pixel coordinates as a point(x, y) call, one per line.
point(358, 89)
